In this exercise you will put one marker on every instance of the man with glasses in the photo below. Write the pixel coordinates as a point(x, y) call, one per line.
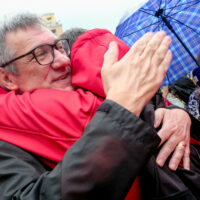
point(31, 78)
point(44, 54)
point(22, 54)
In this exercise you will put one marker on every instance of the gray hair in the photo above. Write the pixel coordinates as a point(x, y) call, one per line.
point(19, 21)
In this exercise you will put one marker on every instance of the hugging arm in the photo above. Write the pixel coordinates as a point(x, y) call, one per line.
point(101, 165)
point(115, 145)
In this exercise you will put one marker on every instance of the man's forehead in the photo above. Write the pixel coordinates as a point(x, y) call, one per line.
point(29, 38)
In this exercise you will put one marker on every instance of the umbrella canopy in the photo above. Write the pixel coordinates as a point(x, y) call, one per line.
point(180, 19)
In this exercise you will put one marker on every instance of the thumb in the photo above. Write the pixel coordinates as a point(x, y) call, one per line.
point(111, 55)
point(159, 114)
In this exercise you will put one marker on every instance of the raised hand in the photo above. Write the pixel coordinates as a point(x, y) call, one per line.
point(134, 79)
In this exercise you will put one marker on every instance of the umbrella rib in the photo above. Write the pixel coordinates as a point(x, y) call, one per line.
point(178, 11)
point(194, 1)
point(147, 9)
point(179, 22)
point(172, 8)
point(179, 39)
point(158, 26)
point(147, 12)
point(185, 4)
point(141, 21)
point(165, 5)
point(140, 29)
point(160, 3)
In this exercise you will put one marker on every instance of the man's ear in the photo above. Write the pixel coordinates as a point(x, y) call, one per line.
point(8, 80)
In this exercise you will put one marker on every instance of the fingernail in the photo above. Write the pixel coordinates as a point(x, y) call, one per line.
point(168, 40)
point(111, 45)
point(155, 122)
point(187, 168)
point(172, 167)
point(162, 33)
point(149, 34)
point(159, 162)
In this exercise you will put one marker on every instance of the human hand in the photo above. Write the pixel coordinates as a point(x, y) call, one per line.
point(175, 134)
point(134, 79)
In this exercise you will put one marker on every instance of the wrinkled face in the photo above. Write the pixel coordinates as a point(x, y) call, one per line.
point(31, 75)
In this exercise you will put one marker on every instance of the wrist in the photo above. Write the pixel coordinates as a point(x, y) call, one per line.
point(134, 105)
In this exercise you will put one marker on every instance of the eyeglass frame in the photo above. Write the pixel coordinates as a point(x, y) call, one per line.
point(32, 52)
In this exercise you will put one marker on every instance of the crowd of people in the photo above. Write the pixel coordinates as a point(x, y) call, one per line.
point(82, 117)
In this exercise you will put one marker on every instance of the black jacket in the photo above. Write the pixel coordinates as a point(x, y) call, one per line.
point(102, 164)
point(115, 148)
point(162, 183)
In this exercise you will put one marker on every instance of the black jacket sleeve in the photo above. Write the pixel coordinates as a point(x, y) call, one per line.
point(102, 164)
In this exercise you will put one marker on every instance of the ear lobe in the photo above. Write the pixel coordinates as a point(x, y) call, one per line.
point(8, 80)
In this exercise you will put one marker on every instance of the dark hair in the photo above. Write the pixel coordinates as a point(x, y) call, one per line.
point(72, 34)
point(183, 87)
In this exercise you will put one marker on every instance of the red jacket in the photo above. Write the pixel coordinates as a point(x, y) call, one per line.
point(87, 56)
point(47, 122)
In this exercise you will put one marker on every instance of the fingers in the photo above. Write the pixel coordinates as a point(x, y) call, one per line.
point(154, 44)
point(166, 132)
point(141, 44)
point(177, 156)
point(186, 158)
point(180, 152)
point(162, 69)
point(159, 114)
point(173, 139)
point(161, 51)
point(165, 151)
point(111, 55)
point(168, 128)
point(161, 58)
point(145, 48)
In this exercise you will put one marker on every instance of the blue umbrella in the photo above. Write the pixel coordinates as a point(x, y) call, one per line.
point(180, 19)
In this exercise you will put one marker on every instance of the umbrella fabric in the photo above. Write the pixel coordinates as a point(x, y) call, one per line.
point(180, 19)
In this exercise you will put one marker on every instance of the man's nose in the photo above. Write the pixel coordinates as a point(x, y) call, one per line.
point(61, 60)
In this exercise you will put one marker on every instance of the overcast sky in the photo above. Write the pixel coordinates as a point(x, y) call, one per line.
point(75, 13)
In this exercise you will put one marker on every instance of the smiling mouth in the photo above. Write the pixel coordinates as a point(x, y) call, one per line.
point(63, 77)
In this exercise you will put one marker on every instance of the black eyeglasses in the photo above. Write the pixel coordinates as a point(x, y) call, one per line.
point(44, 53)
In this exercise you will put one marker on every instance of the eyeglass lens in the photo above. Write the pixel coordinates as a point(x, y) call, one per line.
point(45, 54)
